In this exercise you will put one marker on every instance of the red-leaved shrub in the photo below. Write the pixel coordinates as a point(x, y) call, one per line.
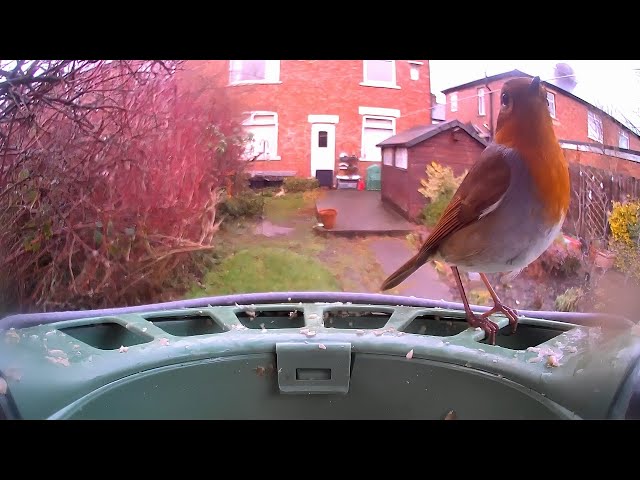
point(110, 174)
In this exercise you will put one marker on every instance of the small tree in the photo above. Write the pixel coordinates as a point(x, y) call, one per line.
point(438, 188)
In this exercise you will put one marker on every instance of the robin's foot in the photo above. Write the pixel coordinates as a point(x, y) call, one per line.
point(509, 312)
point(490, 328)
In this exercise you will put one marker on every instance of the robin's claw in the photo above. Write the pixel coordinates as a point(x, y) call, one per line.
point(508, 312)
point(489, 327)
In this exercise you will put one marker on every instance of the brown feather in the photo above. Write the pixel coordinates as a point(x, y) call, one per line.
point(484, 185)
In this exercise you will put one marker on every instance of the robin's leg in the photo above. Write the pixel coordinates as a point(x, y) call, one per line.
point(484, 323)
point(511, 314)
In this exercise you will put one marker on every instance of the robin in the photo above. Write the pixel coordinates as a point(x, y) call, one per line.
point(510, 206)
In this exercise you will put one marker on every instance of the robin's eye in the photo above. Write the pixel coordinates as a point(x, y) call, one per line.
point(505, 99)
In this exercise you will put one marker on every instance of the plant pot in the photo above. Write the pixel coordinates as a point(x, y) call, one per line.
point(328, 217)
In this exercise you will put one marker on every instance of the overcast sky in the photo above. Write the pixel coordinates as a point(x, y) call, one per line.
point(611, 82)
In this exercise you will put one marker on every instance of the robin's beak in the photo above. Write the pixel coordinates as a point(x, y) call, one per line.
point(535, 85)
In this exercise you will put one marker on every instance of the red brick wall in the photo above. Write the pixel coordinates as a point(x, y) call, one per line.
point(570, 122)
point(325, 87)
point(452, 149)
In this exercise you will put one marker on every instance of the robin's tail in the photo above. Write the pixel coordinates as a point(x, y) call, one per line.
point(402, 273)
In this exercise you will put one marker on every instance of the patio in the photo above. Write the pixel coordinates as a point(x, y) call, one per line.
point(362, 212)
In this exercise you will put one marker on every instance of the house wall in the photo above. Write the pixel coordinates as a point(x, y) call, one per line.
point(457, 150)
point(324, 87)
point(570, 122)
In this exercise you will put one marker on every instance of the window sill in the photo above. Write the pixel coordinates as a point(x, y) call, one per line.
point(380, 85)
point(254, 82)
point(277, 157)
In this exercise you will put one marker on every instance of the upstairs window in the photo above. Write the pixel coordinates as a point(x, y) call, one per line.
point(594, 127)
point(481, 102)
point(254, 71)
point(623, 140)
point(380, 73)
point(551, 100)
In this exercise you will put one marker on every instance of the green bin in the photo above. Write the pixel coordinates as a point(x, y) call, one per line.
point(373, 177)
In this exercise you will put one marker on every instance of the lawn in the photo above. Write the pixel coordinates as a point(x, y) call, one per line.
point(267, 269)
point(281, 209)
point(300, 260)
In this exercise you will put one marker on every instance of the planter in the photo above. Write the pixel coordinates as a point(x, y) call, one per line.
point(328, 217)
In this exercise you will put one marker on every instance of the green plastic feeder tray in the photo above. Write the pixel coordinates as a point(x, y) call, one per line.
point(313, 356)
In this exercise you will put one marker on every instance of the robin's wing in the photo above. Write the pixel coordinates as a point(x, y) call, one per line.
point(479, 194)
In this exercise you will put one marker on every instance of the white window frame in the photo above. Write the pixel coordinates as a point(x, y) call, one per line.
point(251, 121)
point(624, 135)
point(387, 156)
point(481, 106)
point(271, 72)
point(414, 69)
point(364, 122)
point(377, 83)
point(401, 158)
point(594, 127)
point(453, 100)
point(551, 99)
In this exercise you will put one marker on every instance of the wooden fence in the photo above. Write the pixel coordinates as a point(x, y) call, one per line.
point(592, 192)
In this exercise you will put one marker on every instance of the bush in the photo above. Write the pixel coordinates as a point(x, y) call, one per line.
point(433, 210)
point(439, 188)
point(440, 182)
point(244, 205)
point(568, 300)
point(624, 242)
point(300, 184)
point(103, 208)
point(557, 260)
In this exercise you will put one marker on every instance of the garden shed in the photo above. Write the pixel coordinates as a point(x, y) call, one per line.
point(406, 155)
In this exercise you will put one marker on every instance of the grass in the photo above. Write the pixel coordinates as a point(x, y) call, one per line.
point(266, 269)
point(279, 209)
point(282, 208)
point(244, 262)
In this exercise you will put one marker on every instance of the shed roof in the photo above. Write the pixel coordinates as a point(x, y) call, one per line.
point(415, 135)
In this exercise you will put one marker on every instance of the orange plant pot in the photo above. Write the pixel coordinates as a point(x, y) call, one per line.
point(328, 217)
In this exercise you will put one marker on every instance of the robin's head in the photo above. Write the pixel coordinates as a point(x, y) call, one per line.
point(523, 101)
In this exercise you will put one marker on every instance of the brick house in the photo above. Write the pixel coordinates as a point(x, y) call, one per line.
point(584, 131)
point(305, 113)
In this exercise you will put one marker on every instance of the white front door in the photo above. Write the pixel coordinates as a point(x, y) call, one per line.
point(323, 147)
